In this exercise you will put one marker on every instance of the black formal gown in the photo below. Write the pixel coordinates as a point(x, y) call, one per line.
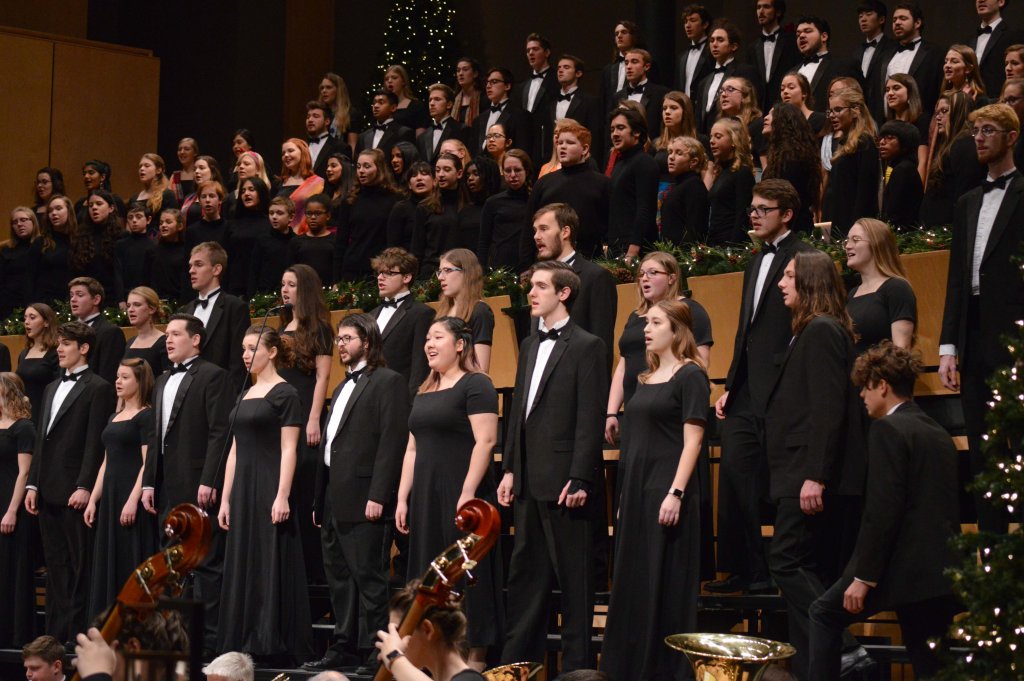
point(502, 222)
point(17, 278)
point(729, 197)
point(36, 373)
point(118, 550)
point(155, 355)
point(874, 313)
point(402, 223)
point(444, 444)
point(413, 116)
point(16, 565)
point(657, 568)
point(104, 267)
point(208, 230)
point(467, 233)
point(263, 594)
point(51, 269)
point(362, 232)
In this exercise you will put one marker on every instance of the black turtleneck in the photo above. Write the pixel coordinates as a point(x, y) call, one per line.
point(362, 232)
point(502, 222)
point(269, 260)
point(587, 191)
point(315, 251)
point(633, 201)
point(684, 212)
point(16, 266)
point(52, 271)
point(133, 250)
point(168, 270)
point(207, 230)
point(436, 232)
point(246, 229)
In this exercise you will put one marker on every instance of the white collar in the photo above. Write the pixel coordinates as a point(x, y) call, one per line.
point(895, 407)
point(557, 326)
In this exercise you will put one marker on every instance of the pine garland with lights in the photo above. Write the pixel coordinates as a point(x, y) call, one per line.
point(419, 35)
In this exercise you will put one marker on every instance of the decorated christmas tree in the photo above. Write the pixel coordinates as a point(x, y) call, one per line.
point(419, 35)
point(991, 580)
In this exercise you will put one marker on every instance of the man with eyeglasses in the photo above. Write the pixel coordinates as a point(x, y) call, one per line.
point(357, 475)
point(501, 110)
point(984, 289)
point(763, 334)
point(818, 67)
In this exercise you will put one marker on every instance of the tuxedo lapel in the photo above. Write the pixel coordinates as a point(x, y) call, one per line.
point(215, 315)
point(395, 321)
point(179, 397)
point(918, 58)
point(759, 56)
point(973, 207)
point(776, 56)
point(1009, 205)
point(556, 354)
point(77, 390)
point(356, 392)
point(532, 346)
point(574, 104)
point(819, 73)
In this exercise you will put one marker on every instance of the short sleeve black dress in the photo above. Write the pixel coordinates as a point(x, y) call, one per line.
point(874, 313)
point(444, 444)
point(118, 550)
point(16, 586)
point(481, 322)
point(264, 579)
point(36, 373)
point(155, 355)
point(657, 568)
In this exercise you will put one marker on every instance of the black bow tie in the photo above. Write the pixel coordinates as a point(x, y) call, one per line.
point(814, 59)
point(70, 377)
point(438, 126)
point(566, 98)
point(1000, 183)
point(203, 302)
point(770, 38)
point(497, 108)
point(354, 375)
point(620, 59)
point(540, 75)
point(178, 369)
point(909, 46)
point(389, 302)
point(769, 248)
point(380, 126)
point(548, 335)
point(315, 139)
point(870, 43)
point(720, 69)
point(638, 90)
point(697, 46)
point(985, 31)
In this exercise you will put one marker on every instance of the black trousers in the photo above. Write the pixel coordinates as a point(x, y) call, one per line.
point(553, 547)
point(67, 550)
point(742, 484)
point(919, 621)
point(356, 565)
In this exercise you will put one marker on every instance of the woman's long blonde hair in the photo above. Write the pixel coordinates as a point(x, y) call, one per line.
point(684, 347)
point(669, 264)
point(884, 250)
point(863, 125)
point(472, 287)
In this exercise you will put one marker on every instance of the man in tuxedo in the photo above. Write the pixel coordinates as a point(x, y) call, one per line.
point(641, 90)
point(865, 62)
point(613, 76)
point(503, 111)
point(695, 61)
point(571, 102)
point(984, 288)
point(86, 297)
point(553, 468)
point(555, 227)
point(318, 129)
point(634, 186)
point(578, 184)
point(384, 133)
point(914, 55)
point(818, 67)
point(403, 320)
point(990, 43)
point(188, 447)
point(67, 457)
point(762, 335)
point(774, 53)
point(440, 99)
point(357, 475)
point(535, 94)
point(910, 511)
point(225, 316)
point(724, 46)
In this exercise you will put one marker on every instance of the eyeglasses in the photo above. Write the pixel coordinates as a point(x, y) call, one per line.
point(445, 271)
point(495, 81)
point(986, 131)
point(389, 273)
point(316, 213)
point(493, 136)
point(729, 89)
point(854, 240)
point(344, 340)
point(650, 274)
point(1011, 100)
point(761, 211)
point(835, 111)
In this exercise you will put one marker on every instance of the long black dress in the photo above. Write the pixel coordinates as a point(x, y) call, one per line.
point(118, 550)
point(36, 373)
point(657, 568)
point(264, 580)
point(444, 444)
point(15, 558)
point(155, 355)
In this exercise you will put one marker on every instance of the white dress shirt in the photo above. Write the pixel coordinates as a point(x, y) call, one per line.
point(716, 82)
point(984, 39)
point(317, 146)
point(900, 62)
point(808, 70)
point(691, 63)
point(535, 83)
point(637, 96)
point(543, 354)
point(869, 53)
point(203, 313)
point(171, 392)
point(61, 394)
point(768, 46)
point(378, 134)
point(337, 410)
point(562, 105)
point(436, 138)
point(386, 313)
point(492, 117)
point(762, 274)
point(620, 79)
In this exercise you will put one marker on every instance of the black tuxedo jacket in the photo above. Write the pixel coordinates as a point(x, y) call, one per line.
point(549, 89)
point(332, 145)
point(193, 451)
point(404, 337)
point(393, 135)
point(515, 119)
point(452, 130)
point(926, 68)
point(108, 352)
point(610, 83)
point(1001, 300)
point(224, 333)
point(562, 436)
point(367, 450)
point(705, 65)
point(993, 73)
point(584, 109)
point(873, 84)
point(784, 58)
point(823, 75)
point(705, 119)
point(69, 456)
point(814, 424)
point(911, 509)
point(651, 101)
point(761, 342)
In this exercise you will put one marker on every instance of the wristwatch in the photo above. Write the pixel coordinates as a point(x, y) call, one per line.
point(676, 492)
point(392, 656)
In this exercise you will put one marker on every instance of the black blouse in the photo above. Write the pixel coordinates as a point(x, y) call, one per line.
point(269, 260)
point(729, 197)
point(684, 212)
point(402, 223)
point(16, 275)
point(901, 197)
point(52, 271)
point(167, 265)
point(133, 251)
point(874, 313)
point(362, 232)
point(502, 221)
point(246, 229)
point(853, 185)
point(315, 251)
point(413, 116)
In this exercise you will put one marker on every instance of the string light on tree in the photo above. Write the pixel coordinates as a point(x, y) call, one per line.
point(419, 35)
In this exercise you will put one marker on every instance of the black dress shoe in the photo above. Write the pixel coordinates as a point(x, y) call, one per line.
point(732, 584)
point(332, 659)
point(762, 588)
point(855, 663)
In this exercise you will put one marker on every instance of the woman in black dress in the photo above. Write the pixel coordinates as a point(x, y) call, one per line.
point(504, 215)
point(852, 191)
point(17, 278)
point(437, 216)
point(796, 90)
point(51, 251)
point(453, 427)
point(249, 225)
point(738, 99)
point(684, 211)
point(462, 290)
point(307, 330)
point(156, 189)
point(49, 183)
point(402, 220)
point(411, 112)
point(150, 343)
point(17, 441)
point(436, 644)
point(183, 181)
point(903, 103)
point(37, 363)
point(401, 157)
point(363, 217)
point(168, 262)
point(264, 579)
point(346, 122)
point(955, 168)
point(125, 534)
point(657, 558)
point(95, 176)
point(468, 86)
point(316, 247)
point(482, 179)
point(793, 155)
point(901, 183)
point(93, 245)
point(883, 306)
point(731, 179)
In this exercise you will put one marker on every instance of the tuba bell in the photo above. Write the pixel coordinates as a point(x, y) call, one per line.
point(517, 671)
point(729, 657)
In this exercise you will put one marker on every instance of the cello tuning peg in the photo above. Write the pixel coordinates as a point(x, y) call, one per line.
point(470, 578)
